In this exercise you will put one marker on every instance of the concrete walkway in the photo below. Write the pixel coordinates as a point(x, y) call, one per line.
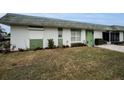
point(112, 47)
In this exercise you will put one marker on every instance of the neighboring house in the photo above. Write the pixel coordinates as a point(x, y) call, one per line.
point(32, 32)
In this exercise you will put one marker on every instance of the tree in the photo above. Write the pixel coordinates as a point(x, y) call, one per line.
point(3, 34)
point(8, 34)
point(4, 40)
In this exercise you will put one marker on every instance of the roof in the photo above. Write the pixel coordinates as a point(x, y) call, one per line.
point(17, 19)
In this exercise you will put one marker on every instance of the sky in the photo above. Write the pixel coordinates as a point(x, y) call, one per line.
point(97, 18)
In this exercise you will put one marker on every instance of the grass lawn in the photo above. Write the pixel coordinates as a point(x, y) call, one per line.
point(61, 64)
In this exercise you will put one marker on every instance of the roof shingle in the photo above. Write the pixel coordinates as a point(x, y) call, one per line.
point(17, 19)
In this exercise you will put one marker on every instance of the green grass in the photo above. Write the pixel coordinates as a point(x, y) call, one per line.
point(62, 64)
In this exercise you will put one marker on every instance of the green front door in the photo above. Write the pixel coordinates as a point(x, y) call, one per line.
point(36, 43)
point(60, 42)
point(89, 38)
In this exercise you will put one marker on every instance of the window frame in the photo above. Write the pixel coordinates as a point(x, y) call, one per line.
point(60, 33)
point(75, 35)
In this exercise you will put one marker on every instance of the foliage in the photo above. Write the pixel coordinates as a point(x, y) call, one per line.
point(77, 44)
point(51, 44)
point(8, 34)
point(5, 46)
point(99, 42)
point(118, 43)
point(38, 48)
point(21, 50)
point(65, 46)
point(4, 36)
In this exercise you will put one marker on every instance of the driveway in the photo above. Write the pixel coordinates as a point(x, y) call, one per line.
point(112, 47)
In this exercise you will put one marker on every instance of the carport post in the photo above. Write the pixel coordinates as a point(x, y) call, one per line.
point(109, 37)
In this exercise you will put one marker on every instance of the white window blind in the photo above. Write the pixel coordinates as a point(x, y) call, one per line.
point(75, 36)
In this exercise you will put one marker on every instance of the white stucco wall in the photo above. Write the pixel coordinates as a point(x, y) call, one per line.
point(50, 33)
point(98, 34)
point(35, 34)
point(121, 36)
point(83, 36)
point(19, 37)
point(67, 37)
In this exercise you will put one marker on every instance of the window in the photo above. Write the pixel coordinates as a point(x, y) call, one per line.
point(115, 36)
point(60, 30)
point(38, 28)
point(106, 36)
point(76, 35)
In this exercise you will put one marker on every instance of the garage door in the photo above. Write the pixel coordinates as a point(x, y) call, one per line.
point(36, 43)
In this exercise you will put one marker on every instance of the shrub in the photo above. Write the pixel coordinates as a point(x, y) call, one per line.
point(65, 46)
point(0, 44)
point(21, 50)
point(46, 47)
point(6, 44)
point(118, 42)
point(6, 51)
point(6, 47)
point(99, 42)
point(77, 44)
point(38, 48)
point(13, 47)
point(51, 44)
point(1, 51)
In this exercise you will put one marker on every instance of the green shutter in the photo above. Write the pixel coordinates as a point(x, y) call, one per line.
point(60, 42)
point(36, 43)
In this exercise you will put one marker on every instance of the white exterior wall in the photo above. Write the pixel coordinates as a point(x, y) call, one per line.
point(121, 36)
point(98, 34)
point(35, 34)
point(50, 33)
point(66, 37)
point(83, 36)
point(19, 37)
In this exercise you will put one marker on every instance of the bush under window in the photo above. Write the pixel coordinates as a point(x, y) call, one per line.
point(99, 41)
point(51, 44)
point(77, 44)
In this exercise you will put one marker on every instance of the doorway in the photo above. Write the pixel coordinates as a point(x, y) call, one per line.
point(90, 38)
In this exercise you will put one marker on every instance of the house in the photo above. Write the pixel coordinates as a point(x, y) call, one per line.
point(33, 32)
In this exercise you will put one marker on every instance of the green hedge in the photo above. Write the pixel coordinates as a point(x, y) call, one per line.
point(99, 42)
point(118, 43)
point(51, 43)
point(77, 44)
